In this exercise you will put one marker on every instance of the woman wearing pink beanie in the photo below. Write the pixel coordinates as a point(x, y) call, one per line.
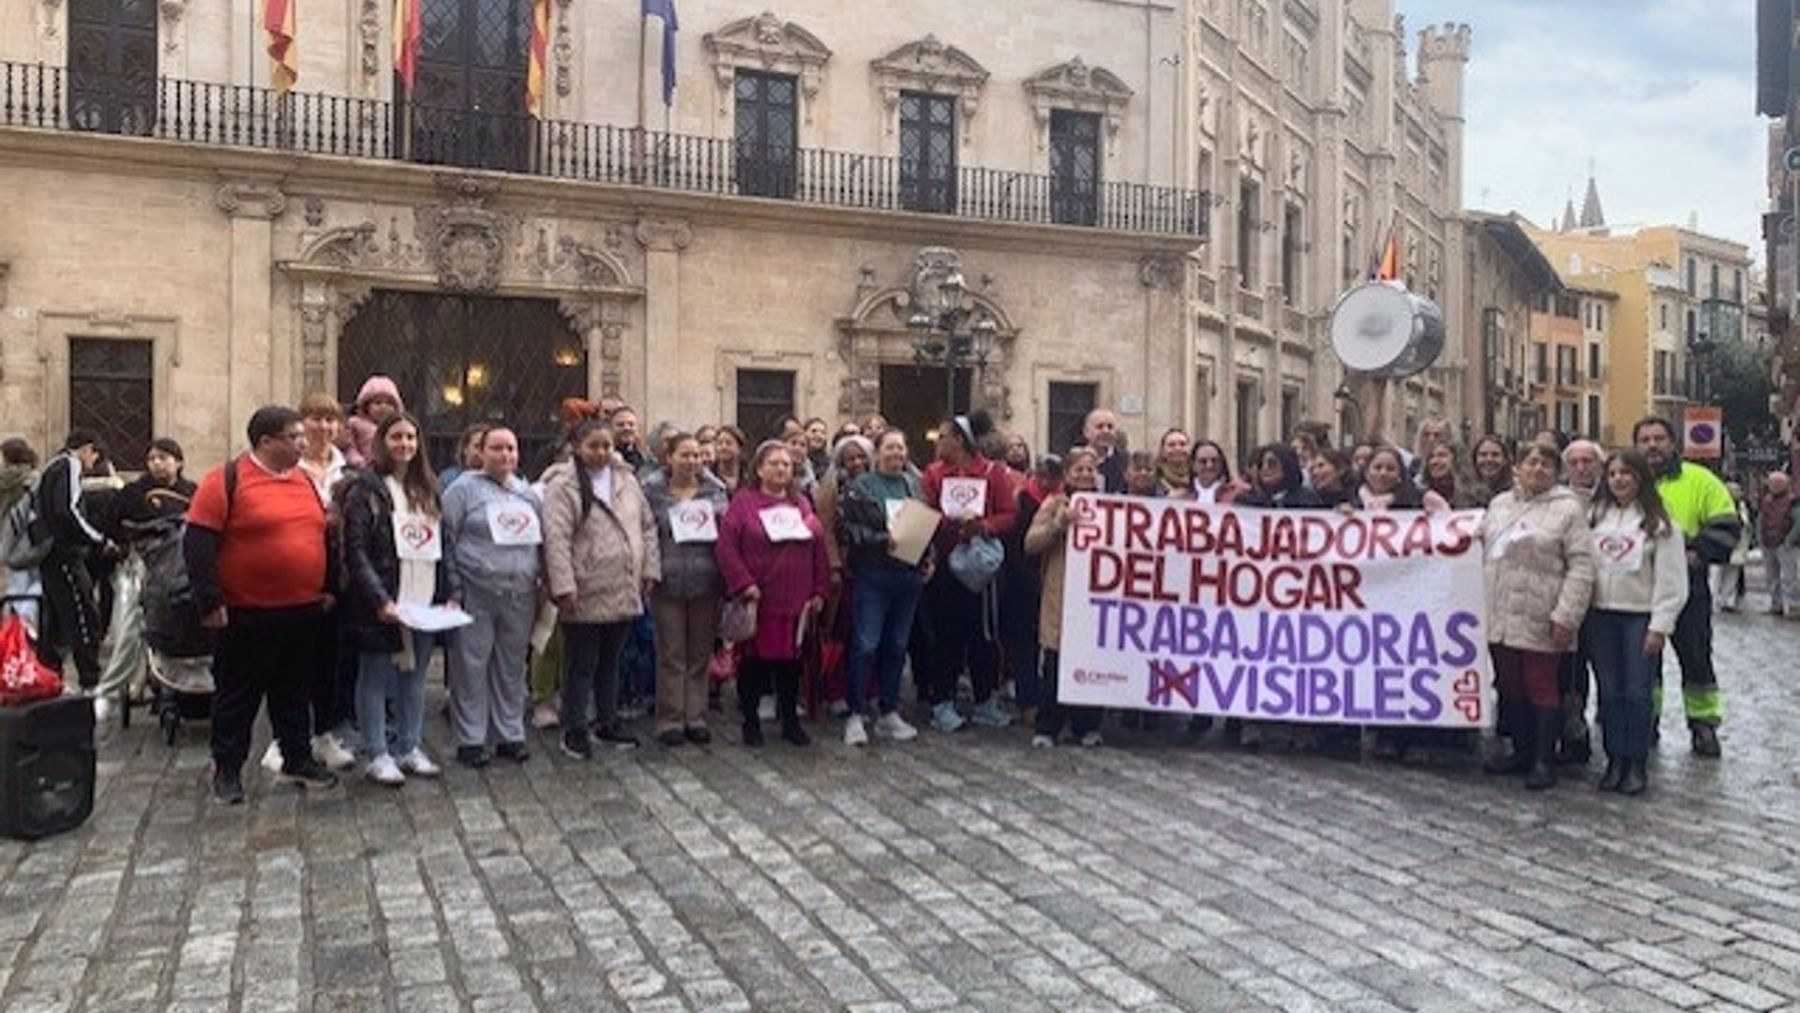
point(378, 399)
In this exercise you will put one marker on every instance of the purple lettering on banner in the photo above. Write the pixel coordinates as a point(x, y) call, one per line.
point(1354, 711)
point(1316, 639)
point(1390, 694)
point(1224, 697)
point(1279, 701)
point(1427, 704)
point(1167, 681)
point(1456, 630)
point(1104, 609)
point(1421, 646)
point(1131, 626)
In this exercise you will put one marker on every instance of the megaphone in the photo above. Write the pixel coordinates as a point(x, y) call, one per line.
point(1380, 328)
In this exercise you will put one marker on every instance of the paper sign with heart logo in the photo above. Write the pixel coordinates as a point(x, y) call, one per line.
point(1469, 698)
point(416, 537)
point(514, 522)
point(965, 497)
point(1619, 551)
point(693, 521)
point(784, 524)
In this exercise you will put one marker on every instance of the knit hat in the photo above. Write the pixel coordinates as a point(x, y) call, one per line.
point(379, 386)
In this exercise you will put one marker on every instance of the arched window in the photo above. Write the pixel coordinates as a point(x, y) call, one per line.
point(468, 100)
point(112, 65)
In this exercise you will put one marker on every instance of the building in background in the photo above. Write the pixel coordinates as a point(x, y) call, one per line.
point(1319, 135)
point(1678, 294)
point(1508, 280)
point(1778, 97)
point(1570, 339)
point(1149, 204)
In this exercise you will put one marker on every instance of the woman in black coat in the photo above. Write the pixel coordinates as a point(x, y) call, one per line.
point(393, 544)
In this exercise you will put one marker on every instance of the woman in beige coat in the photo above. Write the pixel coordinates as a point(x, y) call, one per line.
point(602, 558)
point(1045, 540)
point(1539, 573)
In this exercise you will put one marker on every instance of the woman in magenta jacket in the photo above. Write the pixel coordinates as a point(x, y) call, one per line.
point(771, 550)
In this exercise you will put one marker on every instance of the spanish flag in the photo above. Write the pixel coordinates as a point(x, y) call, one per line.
point(538, 54)
point(1387, 262)
point(284, 64)
point(408, 27)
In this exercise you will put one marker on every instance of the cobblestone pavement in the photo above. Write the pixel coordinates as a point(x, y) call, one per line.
point(967, 874)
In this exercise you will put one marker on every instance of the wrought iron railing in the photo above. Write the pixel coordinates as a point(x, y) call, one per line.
point(38, 96)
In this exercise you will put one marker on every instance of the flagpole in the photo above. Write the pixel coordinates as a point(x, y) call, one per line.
point(637, 145)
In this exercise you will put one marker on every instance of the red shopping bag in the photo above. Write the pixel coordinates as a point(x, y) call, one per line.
point(23, 678)
point(724, 665)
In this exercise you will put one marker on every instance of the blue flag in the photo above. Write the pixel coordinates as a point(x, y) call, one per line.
point(665, 9)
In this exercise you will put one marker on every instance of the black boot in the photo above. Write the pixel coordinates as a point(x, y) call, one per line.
point(1706, 741)
point(752, 682)
point(1615, 771)
point(787, 700)
point(1576, 751)
point(1635, 780)
point(1512, 725)
point(1544, 725)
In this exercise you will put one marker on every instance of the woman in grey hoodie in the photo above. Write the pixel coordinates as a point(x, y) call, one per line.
point(493, 529)
point(687, 503)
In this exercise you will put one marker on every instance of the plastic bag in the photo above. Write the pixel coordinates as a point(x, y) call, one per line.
point(976, 562)
point(737, 620)
point(23, 678)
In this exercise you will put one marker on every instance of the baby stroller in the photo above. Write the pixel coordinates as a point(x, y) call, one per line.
point(181, 679)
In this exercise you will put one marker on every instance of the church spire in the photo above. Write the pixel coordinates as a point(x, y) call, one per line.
point(1591, 215)
point(1568, 216)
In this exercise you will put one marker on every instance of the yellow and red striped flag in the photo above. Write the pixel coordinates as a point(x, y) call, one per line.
point(539, 54)
point(408, 28)
point(284, 62)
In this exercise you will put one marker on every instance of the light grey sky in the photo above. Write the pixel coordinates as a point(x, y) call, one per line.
point(1659, 94)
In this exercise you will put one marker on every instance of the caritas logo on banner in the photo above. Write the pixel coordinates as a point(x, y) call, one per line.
point(1369, 618)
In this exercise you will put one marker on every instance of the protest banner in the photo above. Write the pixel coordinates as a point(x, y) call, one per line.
point(1276, 615)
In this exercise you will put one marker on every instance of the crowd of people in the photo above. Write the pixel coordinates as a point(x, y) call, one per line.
point(634, 573)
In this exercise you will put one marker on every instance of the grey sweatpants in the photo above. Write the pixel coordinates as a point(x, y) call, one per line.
point(487, 670)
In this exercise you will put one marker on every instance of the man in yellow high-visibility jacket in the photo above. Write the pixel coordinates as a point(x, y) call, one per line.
point(1702, 508)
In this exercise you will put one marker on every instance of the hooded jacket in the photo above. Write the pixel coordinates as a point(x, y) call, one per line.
point(597, 551)
point(362, 428)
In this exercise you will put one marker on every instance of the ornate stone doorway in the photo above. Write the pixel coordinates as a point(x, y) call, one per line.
point(461, 359)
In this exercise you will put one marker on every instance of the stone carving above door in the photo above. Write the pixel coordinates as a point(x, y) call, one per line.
point(874, 332)
point(929, 65)
point(767, 42)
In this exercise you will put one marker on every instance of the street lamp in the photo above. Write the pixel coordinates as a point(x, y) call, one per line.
point(952, 336)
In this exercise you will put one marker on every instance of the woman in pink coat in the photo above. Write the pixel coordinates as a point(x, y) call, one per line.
point(771, 551)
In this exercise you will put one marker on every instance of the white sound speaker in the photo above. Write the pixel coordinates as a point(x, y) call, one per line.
point(1379, 327)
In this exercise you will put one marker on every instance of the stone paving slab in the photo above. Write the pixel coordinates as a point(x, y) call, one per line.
point(961, 873)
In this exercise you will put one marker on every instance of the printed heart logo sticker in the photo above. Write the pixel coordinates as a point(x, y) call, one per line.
point(516, 522)
point(963, 495)
point(693, 516)
point(1616, 547)
point(1468, 682)
point(1470, 708)
point(415, 534)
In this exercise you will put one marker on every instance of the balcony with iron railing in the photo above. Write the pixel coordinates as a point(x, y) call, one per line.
point(42, 97)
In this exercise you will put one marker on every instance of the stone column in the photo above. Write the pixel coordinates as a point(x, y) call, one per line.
point(250, 364)
point(663, 240)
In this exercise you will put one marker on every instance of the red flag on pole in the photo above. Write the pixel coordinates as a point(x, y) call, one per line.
point(284, 63)
point(408, 27)
point(539, 56)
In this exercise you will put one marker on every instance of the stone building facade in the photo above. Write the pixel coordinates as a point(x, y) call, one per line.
point(178, 244)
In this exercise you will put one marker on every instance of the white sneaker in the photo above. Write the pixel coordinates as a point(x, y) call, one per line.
point(839, 708)
point(893, 726)
point(103, 709)
point(1043, 742)
point(383, 770)
point(1091, 740)
point(765, 709)
point(419, 765)
point(329, 751)
point(271, 760)
point(854, 732)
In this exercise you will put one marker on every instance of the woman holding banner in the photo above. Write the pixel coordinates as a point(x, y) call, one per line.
point(1212, 475)
point(1640, 587)
point(1446, 472)
point(1493, 468)
point(1046, 540)
point(1539, 573)
point(1278, 483)
point(1384, 486)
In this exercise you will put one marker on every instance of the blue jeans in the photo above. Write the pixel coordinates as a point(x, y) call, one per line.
point(379, 681)
point(883, 602)
point(1615, 643)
